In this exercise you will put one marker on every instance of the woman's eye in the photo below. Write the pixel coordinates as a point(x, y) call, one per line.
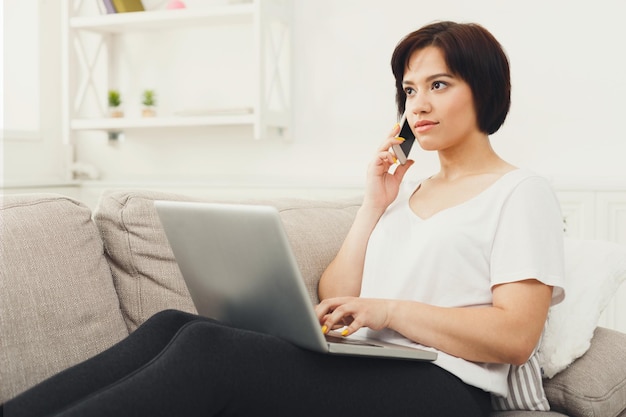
point(409, 91)
point(438, 85)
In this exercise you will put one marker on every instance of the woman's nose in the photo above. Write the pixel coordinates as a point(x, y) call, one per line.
point(419, 103)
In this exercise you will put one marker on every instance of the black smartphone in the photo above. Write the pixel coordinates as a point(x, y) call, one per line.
point(402, 150)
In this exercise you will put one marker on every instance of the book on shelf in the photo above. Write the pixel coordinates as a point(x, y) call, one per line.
point(123, 6)
point(109, 7)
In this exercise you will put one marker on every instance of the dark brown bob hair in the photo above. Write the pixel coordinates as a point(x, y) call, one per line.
point(471, 53)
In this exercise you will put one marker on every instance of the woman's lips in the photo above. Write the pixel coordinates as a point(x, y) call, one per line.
point(424, 126)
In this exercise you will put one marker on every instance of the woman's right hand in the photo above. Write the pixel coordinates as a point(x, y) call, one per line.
point(382, 186)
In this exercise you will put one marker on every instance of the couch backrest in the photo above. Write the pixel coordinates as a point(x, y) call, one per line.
point(57, 301)
point(144, 269)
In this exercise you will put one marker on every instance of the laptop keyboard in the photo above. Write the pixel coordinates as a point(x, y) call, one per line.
point(344, 340)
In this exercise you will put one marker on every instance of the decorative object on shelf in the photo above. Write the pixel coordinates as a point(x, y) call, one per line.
point(115, 101)
point(215, 111)
point(83, 171)
point(149, 101)
point(108, 5)
point(175, 4)
point(124, 6)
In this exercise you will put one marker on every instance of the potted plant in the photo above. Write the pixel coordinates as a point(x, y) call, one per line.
point(149, 101)
point(115, 101)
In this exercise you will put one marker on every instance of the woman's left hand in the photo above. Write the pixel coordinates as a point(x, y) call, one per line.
point(353, 312)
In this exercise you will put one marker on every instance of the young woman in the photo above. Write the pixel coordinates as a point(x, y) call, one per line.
point(469, 260)
point(465, 262)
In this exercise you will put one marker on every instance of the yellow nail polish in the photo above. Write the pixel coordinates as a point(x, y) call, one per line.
point(397, 125)
point(324, 329)
point(400, 138)
point(345, 332)
point(395, 160)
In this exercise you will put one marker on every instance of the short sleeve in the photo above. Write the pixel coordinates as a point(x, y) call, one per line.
point(528, 242)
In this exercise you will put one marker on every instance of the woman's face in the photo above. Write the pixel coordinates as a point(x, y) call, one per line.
point(439, 105)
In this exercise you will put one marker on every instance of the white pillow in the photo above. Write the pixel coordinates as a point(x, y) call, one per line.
point(594, 270)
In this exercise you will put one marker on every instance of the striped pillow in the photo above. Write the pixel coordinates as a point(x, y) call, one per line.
point(525, 389)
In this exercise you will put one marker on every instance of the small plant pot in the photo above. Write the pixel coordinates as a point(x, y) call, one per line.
point(148, 112)
point(116, 113)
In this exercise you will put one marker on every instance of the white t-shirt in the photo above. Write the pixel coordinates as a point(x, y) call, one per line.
point(509, 232)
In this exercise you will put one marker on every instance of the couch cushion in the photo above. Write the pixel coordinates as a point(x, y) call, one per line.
point(316, 230)
point(146, 275)
point(57, 301)
point(594, 385)
point(594, 270)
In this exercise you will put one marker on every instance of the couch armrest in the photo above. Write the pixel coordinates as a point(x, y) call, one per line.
point(58, 305)
point(595, 384)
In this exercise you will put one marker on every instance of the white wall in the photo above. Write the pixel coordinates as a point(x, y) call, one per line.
point(567, 63)
point(569, 95)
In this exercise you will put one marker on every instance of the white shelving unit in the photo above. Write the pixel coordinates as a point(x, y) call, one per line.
point(164, 19)
point(270, 112)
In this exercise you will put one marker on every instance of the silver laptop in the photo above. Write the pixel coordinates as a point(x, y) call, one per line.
point(239, 268)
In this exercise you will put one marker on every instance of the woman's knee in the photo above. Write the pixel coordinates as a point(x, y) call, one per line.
point(170, 317)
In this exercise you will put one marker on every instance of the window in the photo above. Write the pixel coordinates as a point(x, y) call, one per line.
point(19, 70)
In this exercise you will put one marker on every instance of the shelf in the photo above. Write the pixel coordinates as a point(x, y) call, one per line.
point(96, 63)
point(165, 19)
point(125, 123)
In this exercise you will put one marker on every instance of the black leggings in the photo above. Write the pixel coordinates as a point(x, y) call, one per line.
point(178, 364)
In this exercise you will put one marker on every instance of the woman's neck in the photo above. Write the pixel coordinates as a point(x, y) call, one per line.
point(473, 157)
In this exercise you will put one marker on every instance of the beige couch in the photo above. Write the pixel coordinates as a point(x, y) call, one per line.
point(73, 282)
